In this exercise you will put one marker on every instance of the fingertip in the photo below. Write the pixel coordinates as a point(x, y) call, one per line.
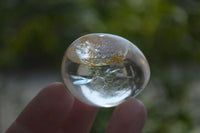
point(54, 97)
point(55, 86)
point(129, 117)
point(136, 107)
point(82, 115)
point(133, 105)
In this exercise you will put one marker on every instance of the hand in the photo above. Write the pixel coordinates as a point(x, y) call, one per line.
point(54, 110)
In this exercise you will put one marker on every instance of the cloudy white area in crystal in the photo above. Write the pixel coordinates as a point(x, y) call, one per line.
point(104, 70)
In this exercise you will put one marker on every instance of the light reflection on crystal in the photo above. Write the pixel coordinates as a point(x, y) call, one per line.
point(104, 70)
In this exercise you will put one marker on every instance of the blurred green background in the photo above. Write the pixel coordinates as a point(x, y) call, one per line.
point(34, 35)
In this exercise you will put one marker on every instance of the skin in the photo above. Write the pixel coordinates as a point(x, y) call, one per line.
point(55, 110)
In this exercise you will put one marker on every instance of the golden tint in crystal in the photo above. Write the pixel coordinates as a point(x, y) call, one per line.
point(104, 70)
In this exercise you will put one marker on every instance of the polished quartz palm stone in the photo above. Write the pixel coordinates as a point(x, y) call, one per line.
point(104, 69)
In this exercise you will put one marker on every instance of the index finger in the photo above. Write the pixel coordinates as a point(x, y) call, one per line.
point(45, 112)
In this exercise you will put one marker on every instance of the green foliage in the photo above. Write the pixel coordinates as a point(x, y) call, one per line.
point(34, 30)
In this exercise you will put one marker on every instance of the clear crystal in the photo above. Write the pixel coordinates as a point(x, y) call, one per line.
point(104, 69)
